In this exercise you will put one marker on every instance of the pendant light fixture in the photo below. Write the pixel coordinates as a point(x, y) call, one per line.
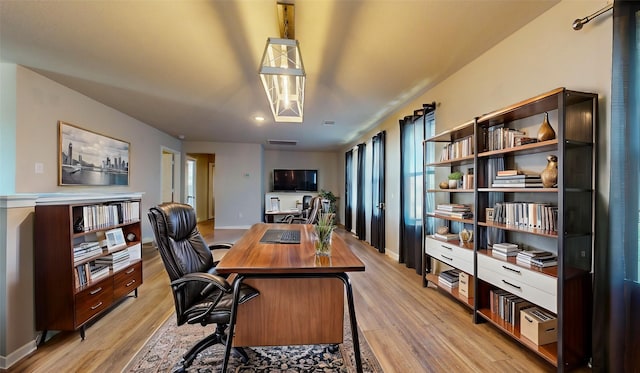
point(282, 72)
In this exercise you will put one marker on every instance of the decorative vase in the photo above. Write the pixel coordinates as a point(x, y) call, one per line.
point(453, 184)
point(546, 132)
point(444, 185)
point(549, 175)
point(323, 240)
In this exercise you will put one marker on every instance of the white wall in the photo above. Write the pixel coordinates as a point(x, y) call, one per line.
point(41, 103)
point(238, 186)
point(324, 162)
point(545, 54)
point(8, 73)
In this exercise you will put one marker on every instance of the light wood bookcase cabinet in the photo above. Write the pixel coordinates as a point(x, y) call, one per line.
point(62, 302)
point(565, 290)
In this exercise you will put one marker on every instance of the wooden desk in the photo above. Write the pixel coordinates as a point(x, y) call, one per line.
point(270, 216)
point(301, 298)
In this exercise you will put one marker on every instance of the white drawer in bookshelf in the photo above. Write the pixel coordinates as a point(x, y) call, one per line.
point(535, 287)
point(450, 254)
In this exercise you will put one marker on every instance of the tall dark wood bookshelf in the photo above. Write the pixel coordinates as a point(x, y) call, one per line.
point(564, 290)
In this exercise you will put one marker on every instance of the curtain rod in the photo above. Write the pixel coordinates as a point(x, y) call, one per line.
point(578, 23)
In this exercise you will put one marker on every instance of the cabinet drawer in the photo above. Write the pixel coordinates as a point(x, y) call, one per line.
point(536, 279)
point(93, 300)
point(127, 280)
point(498, 276)
point(452, 255)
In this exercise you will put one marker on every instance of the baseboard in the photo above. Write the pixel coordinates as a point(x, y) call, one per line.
point(7, 361)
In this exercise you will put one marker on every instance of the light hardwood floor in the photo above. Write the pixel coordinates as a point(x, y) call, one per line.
point(409, 328)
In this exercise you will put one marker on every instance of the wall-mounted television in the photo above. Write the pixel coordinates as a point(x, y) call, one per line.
point(295, 180)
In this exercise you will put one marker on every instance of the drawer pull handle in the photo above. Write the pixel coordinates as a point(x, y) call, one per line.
point(446, 257)
point(511, 269)
point(446, 247)
point(131, 283)
point(130, 271)
point(510, 284)
point(96, 306)
point(96, 291)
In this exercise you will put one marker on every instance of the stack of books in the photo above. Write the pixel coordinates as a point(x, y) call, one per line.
point(504, 250)
point(446, 236)
point(449, 279)
point(98, 270)
point(538, 258)
point(516, 179)
point(116, 260)
point(86, 250)
point(454, 210)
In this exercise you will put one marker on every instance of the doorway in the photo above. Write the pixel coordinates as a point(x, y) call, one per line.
point(169, 175)
point(202, 182)
point(191, 179)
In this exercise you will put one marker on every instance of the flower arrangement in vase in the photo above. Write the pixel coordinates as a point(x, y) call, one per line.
point(324, 228)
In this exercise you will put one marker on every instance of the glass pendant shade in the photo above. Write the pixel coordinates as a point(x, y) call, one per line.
point(283, 78)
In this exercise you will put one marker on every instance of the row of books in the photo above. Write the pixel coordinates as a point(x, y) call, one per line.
point(538, 258)
point(527, 215)
point(101, 216)
point(86, 250)
point(454, 210)
point(518, 180)
point(449, 279)
point(498, 138)
point(89, 271)
point(457, 149)
point(507, 306)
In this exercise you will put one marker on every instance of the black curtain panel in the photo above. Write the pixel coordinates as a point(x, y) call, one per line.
point(616, 324)
point(377, 193)
point(412, 134)
point(361, 224)
point(348, 203)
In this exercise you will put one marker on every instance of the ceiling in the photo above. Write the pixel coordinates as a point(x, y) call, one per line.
point(190, 68)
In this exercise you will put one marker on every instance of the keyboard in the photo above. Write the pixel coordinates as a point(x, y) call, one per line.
point(290, 236)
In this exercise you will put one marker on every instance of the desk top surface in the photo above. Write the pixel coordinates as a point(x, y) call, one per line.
point(250, 256)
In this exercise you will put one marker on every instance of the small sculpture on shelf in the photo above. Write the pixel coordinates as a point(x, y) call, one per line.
point(444, 185)
point(549, 175)
point(465, 236)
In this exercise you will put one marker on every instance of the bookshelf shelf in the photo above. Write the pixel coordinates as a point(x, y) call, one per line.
point(453, 292)
point(548, 351)
point(70, 289)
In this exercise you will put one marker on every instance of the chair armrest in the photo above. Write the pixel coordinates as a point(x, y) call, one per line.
point(220, 246)
point(210, 279)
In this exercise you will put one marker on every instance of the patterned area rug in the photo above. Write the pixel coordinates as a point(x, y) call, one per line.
point(165, 348)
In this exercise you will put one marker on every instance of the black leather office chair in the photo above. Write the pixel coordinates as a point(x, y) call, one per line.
point(308, 216)
point(306, 199)
point(200, 295)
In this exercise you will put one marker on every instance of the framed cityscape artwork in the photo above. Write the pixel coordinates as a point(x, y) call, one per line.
point(89, 158)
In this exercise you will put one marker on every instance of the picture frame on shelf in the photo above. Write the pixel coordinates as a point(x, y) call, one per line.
point(488, 213)
point(89, 158)
point(115, 239)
